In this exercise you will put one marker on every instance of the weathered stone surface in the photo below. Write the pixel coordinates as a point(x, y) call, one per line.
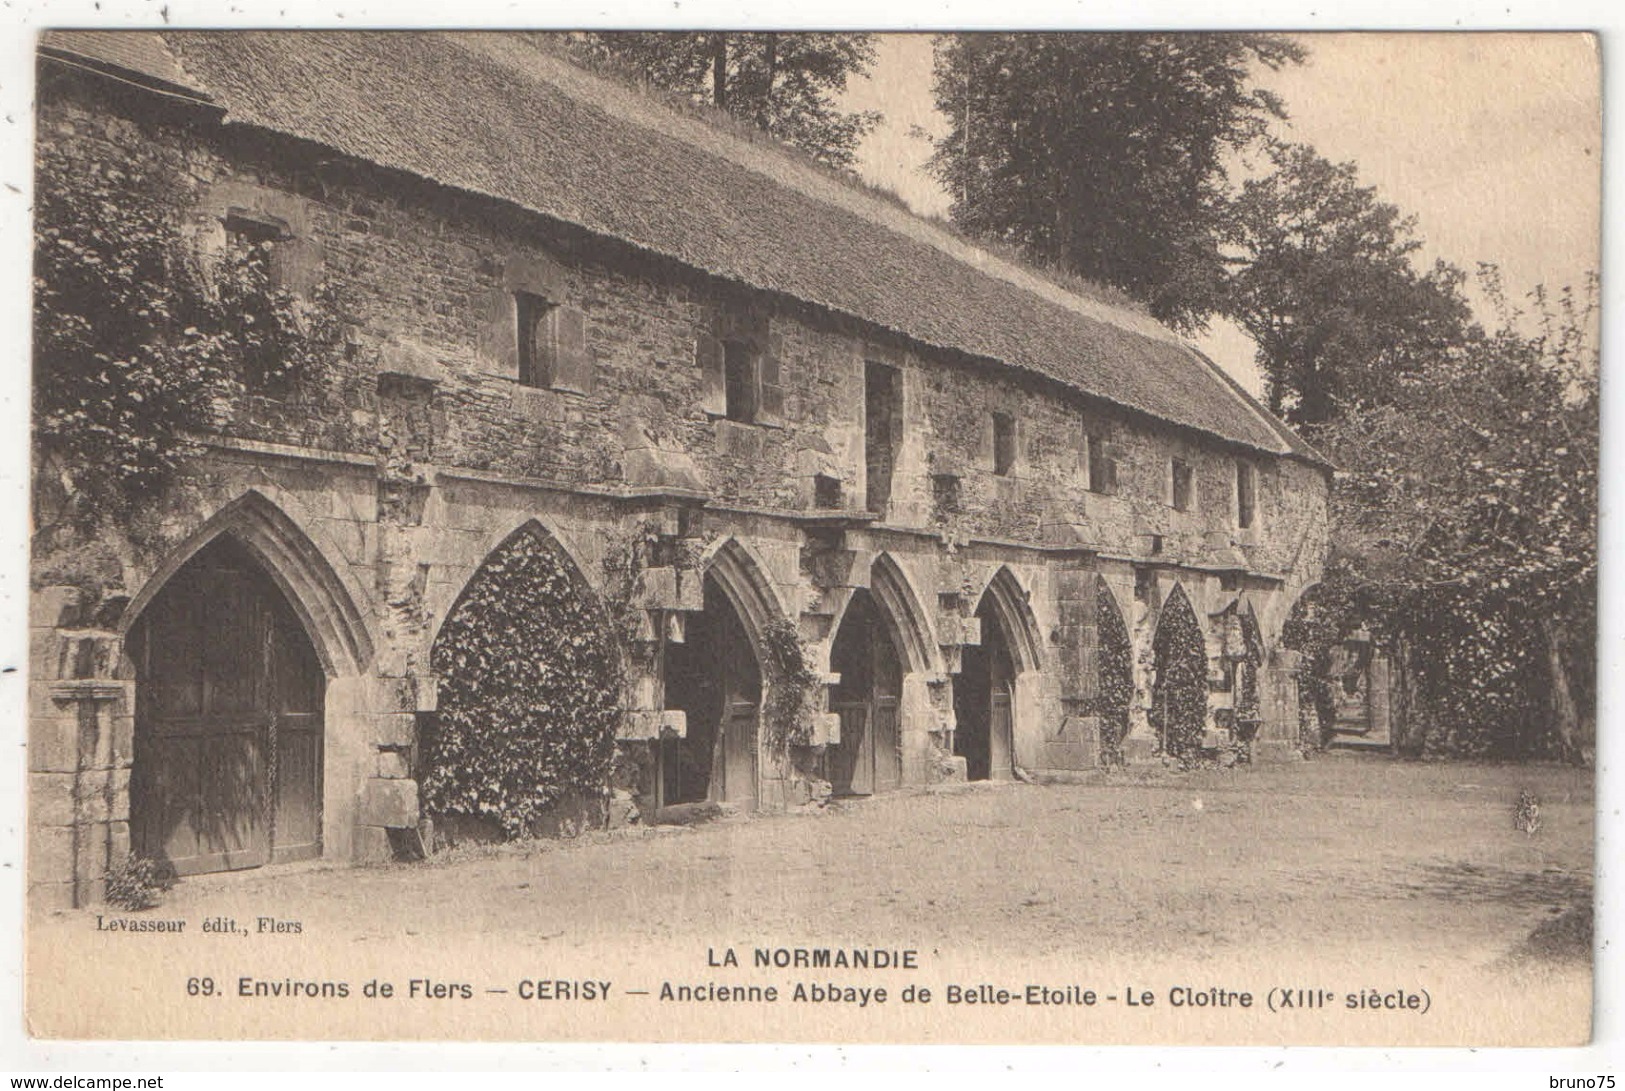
point(389, 803)
point(425, 452)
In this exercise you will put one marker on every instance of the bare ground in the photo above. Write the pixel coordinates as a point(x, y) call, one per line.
point(1344, 851)
point(1342, 873)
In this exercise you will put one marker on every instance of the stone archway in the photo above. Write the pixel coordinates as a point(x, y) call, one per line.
point(868, 700)
point(715, 679)
point(986, 704)
point(229, 717)
point(530, 687)
point(1179, 691)
point(238, 642)
point(1115, 666)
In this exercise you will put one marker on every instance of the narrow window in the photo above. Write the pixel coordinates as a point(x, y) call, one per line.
point(882, 430)
point(945, 494)
point(1101, 478)
point(739, 378)
point(1004, 444)
point(537, 345)
point(1181, 485)
point(1246, 494)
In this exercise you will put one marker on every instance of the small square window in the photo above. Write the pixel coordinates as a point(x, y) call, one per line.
point(1246, 494)
point(826, 492)
point(252, 241)
point(1182, 481)
point(537, 343)
point(740, 381)
point(1004, 444)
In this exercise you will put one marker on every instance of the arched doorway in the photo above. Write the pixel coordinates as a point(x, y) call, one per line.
point(530, 683)
point(714, 678)
point(984, 700)
point(228, 719)
point(1115, 659)
point(868, 698)
point(1179, 692)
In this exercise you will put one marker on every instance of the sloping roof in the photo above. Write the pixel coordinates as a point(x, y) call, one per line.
point(490, 114)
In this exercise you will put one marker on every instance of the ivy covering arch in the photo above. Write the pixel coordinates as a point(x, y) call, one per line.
point(529, 689)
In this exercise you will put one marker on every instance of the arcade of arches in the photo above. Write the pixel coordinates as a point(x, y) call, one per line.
point(262, 728)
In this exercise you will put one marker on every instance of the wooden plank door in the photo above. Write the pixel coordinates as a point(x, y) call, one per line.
point(885, 726)
point(228, 721)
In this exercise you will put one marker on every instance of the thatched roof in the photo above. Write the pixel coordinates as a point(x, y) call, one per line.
point(493, 115)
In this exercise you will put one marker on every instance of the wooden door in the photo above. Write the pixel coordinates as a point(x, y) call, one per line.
point(885, 731)
point(741, 707)
point(228, 721)
point(868, 758)
point(1001, 714)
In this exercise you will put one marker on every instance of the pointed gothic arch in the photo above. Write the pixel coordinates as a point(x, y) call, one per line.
point(1115, 666)
point(323, 596)
point(912, 630)
point(1179, 689)
point(1007, 600)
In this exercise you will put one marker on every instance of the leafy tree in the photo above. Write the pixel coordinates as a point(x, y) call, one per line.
point(1325, 286)
point(1104, 153)
point(1466, 514)
point(786, 84)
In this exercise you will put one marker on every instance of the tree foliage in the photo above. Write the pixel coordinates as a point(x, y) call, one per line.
point(1105, 153)
point(139, 343)
point(1324, 284)
point(529, 693)
point(1466, 516)
point(785, 84)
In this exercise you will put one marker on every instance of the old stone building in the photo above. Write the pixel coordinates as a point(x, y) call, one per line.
point(759, 416)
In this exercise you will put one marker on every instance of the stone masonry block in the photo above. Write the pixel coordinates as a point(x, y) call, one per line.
point(391, 803)
point(54, 607)
point(394, 729)
point(50, 799)
point(53, 742)
point(393, 765)
point(372, 846)
point(50, 853)
point(50, 896)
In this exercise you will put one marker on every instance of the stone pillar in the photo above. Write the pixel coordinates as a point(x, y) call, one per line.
point(80, 753)
point(1278, 706)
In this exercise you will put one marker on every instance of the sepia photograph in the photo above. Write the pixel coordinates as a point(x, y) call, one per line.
point(1066, 537)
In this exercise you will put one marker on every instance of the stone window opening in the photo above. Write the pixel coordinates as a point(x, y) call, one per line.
point(1004, 444)
point(255, 240)
point(945, 496)
point(1100, 465)
point(1246, 494)
point(882, 431)
point(826, 492)
point(538, 341)
point(1180, 493)
point(741, 382)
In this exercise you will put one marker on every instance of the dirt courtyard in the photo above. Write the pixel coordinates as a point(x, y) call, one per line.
point(1344, 864)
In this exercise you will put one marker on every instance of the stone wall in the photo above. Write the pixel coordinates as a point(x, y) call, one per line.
point(375, 499)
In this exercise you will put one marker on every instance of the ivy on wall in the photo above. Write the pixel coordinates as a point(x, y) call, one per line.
point(139, 343)
point(1116, 659)
point(792, 686)
point(529, 691)
point(1179, 698)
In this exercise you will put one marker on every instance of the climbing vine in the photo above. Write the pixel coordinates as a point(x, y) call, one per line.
point(138, 343)
point(791, 685)
point(1179, 698)
point(1116, 675)
point(529, 692)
